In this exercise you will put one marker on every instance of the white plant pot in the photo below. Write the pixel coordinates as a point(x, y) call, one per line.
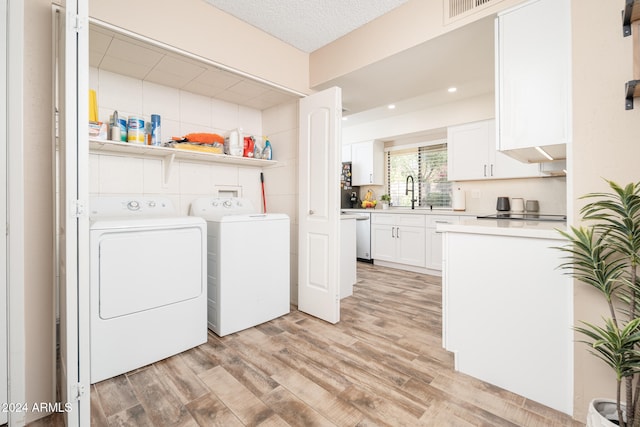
point(601, 411)
point(385, 205)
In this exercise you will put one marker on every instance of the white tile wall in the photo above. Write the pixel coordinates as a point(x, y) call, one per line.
point(281, 182)
point(163, 100)
point(121, 175)
point(195, 113)
point(182, 112)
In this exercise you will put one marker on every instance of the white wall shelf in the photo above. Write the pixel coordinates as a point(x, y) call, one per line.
point(169, 155)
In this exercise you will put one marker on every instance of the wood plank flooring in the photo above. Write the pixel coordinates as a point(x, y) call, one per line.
point(381, 365)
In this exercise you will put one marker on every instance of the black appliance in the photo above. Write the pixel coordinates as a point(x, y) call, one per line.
point(348, 194)
point(534, 216)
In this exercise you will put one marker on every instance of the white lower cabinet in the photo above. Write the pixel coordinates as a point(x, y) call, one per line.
point(434, 239)
point(399, 238)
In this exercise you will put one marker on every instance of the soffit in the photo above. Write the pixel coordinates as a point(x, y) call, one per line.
point(308, 24)
point(135, 57)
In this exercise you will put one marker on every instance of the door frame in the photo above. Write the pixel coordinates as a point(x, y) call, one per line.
point(15, 210)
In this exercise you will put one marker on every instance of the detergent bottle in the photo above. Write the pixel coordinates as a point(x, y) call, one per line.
point(267, 151)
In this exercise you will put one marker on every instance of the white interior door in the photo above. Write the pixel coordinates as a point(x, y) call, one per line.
point(319, 205)
point(4, 386)
point(72, 102)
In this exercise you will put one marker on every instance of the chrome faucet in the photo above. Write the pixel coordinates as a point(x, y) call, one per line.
point(413, 191)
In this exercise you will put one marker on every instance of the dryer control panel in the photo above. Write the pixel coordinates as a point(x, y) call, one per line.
point(119, 206)
point(208, 206)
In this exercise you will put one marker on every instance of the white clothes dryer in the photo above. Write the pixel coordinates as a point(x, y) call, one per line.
point(148, 283)
point(247, 262)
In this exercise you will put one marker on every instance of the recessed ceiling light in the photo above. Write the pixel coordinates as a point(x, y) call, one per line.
point(345, 118)
point(391, 106)
point(452, 89)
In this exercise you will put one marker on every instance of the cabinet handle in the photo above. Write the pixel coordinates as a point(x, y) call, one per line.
point(491, 169)
point(392, 232)
point(370, 178)
point(397, 232)
point(485, 170)
point(311, 212)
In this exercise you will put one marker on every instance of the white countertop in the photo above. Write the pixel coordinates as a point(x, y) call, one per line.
point(507, 227)
point(418, 211)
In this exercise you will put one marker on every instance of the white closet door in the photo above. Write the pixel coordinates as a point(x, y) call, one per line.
point(4, 386)
point(72, 31)
point(319, 205)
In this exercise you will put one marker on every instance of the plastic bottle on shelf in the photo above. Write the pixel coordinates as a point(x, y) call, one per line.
point(233, 144)
point(267, 151)
point(115, 127)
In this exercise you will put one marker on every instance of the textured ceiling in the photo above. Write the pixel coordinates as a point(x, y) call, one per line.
point(306, 24)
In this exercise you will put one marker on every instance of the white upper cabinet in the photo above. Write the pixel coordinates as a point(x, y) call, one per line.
point(346, 153)
point(533, 80)
point(367, 163)
point(472, 155)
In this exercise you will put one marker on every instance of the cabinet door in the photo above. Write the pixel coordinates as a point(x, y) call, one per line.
point(383, 242)
point(472, 155)
point(533, 75)
point(367, 159)
point(467, 151)
point(346, 153)
point(410, 246)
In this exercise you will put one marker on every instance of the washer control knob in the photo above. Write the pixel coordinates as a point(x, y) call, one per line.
point(227, 203)
point(152, 204)
point(133, 205)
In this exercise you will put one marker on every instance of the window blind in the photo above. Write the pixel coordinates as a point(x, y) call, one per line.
point(428, 166)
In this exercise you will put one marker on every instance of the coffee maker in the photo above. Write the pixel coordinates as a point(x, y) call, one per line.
point(348, 195)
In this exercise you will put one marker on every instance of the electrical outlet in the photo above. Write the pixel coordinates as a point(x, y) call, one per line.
point(475, 194)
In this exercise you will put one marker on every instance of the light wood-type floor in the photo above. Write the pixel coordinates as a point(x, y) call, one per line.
point(382, 364)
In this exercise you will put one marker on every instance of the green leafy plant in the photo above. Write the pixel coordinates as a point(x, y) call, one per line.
point(385, 198)
point(604, 254)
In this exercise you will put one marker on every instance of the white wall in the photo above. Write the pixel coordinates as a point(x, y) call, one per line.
point(40, 360)
point(413, 23)
point(181, 113)
point(281, 181)
point(605, 145)
point(399, 126)
point(551, 193)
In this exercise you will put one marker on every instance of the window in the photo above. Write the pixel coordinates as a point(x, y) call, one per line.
point(428, 166)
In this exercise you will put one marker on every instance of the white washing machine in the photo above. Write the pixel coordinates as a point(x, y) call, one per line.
point(148, 283)
point(247, 263)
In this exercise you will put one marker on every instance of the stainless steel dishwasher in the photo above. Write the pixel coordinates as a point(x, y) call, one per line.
point(363, 237)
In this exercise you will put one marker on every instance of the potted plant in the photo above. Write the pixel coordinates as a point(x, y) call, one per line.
point(386, 201)
point(605, 254)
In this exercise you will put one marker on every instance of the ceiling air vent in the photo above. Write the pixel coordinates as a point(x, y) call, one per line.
point(455, 9)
